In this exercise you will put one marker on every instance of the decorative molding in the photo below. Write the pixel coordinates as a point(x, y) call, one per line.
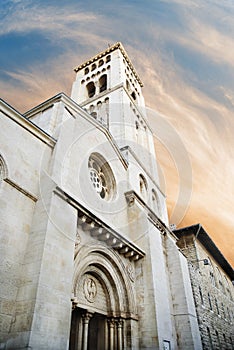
point(20, 189)
point(132, 197)
point(130, 271)
point(90, 289)
point(101, 231)
point(112, 48)
point(75, 110)
point(27, 124)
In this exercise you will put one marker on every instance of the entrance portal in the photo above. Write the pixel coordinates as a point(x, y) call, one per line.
point(88, 331)
point(93, 331)
point(103, 302)
point(97, 333)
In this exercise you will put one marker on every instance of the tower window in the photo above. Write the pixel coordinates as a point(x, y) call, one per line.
point(127, 85)
point(100, 63)
point(155, 200)
point(133, 95)
point(86, 70)
point(91, 89)
point(94, 115)
point(93, 67)
point(108, 58)
point(143, 185)
point(103, 83)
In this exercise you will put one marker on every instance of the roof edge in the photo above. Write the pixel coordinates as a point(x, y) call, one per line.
point(203, 237)
point(110, 49)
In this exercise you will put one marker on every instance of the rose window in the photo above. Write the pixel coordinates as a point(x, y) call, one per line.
point(101, 176)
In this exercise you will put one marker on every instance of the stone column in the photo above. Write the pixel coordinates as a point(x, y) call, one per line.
point(111, 323)
point(85, 331)
point(120, 333)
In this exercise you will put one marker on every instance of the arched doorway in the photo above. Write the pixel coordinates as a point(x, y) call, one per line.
point(104, 307)
point(97, 337)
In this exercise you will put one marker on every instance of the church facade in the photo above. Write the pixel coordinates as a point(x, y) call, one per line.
point(88, 260)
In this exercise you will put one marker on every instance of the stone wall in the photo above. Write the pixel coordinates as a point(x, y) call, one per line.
point(213, 295)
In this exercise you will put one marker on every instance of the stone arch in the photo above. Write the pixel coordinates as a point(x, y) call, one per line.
point(91, 89)
point(92, 328)
point(106, 265)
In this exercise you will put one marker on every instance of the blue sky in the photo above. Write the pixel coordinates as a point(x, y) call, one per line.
point(182, 49)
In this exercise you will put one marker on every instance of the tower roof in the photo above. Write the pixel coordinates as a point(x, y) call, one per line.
point(114, 47)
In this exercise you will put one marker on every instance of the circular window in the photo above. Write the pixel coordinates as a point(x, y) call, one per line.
point(101, 176)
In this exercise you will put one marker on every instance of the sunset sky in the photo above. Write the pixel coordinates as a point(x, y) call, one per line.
point(183, 50)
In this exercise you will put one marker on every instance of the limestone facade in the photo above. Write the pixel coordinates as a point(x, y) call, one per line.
point(88, 260)
point(211, 279)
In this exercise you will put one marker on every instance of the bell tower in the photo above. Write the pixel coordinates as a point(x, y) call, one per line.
point(108, 87)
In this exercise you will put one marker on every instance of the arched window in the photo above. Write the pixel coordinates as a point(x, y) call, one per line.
point(101, 176)
point(100, 63)
point(127, 85)
point(143, 185)
point(212, 279)
point(93, 113)
point(108, 58)
point(210, 338)
point(91, 89)
point(133, 94)
point(86, 70)
point(209, 300)
point(93, 67)
point(201, 296)
point(103, 83)
point(156, 203)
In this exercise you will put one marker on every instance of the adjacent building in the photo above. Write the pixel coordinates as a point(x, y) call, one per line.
point(88, 260)
point(212, 284)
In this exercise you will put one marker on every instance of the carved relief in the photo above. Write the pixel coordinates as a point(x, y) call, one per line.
point(77, 243)
point(90, 289)
point(131, 272)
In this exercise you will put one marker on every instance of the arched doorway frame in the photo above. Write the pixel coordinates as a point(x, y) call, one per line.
point(106, 265)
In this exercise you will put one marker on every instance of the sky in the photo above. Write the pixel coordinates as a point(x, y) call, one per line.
point(183, 50)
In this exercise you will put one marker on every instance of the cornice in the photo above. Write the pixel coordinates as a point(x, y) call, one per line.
point(203, 237)
point(110, 49)
point(132, 197)
point(75, 110)
point(102, 231)
point(28, 125)
point(20, 189)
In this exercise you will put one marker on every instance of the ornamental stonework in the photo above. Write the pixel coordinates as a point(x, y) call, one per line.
point(90, 289)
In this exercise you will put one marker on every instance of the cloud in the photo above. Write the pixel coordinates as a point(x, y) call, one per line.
point(203, 120)
point(59, 22)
